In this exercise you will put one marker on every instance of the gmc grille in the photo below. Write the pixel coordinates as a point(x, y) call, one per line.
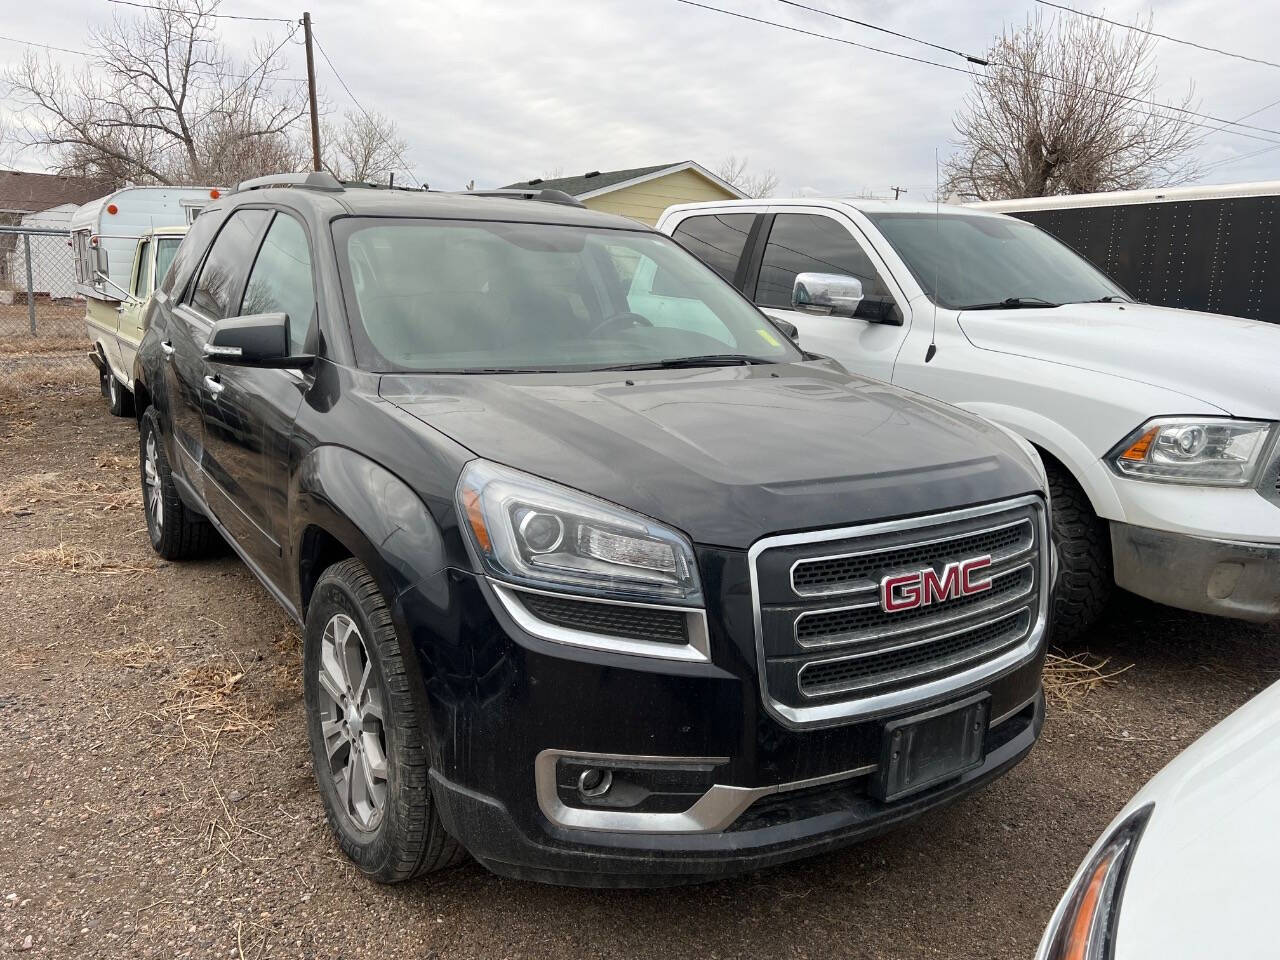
point(827, 647)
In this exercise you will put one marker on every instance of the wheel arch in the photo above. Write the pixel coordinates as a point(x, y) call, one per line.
point(346, 505)
point(1057, 443)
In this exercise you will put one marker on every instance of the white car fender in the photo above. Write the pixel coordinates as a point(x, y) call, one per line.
point(1064, 446)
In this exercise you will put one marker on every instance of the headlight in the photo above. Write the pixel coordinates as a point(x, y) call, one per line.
point(1207, 450)
point(1086, 927)
point(530, 531)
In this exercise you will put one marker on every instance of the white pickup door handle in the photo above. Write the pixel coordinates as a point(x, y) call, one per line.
point(214, 386)
point(167, 348)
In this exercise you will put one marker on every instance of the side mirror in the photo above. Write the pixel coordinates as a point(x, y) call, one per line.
point(258, 340)
point(829, 294)
point(100, 260)
point(787, 327)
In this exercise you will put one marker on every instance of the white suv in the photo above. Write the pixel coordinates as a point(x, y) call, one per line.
point(1157, 426)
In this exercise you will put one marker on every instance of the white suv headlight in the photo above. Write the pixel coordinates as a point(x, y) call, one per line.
point(1214, 451)
point(530, 531)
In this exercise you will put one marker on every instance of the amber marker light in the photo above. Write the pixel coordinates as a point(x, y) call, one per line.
point(1138, 449)
point(475, 517)
point(112, 209)
point(214, 194)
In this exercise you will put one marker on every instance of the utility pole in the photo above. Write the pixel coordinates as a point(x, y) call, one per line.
point(311, 93)
point(896, 190)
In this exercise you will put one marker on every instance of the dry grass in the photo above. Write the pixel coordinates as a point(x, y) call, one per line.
point(25, 344)
point(1068, 680)
point(35, 491)
point(69, 558)
point(134, 656)
point(50, 375)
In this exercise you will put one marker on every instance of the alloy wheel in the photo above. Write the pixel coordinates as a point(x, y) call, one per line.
point(352, 723)
point(153, 492)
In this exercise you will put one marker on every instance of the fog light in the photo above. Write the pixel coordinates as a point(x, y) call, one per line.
point(594, 782)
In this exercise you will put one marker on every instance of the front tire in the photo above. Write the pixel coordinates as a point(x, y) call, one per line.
point(177, 532)
point(1085, 578)
point(365, 733)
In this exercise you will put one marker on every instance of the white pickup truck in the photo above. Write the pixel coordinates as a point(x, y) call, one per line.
point(1158, 427)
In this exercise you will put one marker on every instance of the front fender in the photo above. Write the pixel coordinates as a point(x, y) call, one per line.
point(1062, 444)
point(371, 512)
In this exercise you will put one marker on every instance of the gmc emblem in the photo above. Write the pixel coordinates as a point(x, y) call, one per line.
point(907, 591)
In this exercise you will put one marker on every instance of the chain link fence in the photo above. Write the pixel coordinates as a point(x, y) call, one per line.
point(42, 329)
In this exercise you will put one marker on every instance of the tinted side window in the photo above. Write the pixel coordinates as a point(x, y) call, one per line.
point(717, 240)
point(280, 281)
point(226, 264)
point(807, 243)
point(194, 244)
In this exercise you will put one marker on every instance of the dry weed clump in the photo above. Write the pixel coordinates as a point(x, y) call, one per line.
point(33, 491)
point(1068, 680)
point(69, 558)
point(57, 375)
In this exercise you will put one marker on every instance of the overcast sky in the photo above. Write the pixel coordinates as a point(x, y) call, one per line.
point(501, 91)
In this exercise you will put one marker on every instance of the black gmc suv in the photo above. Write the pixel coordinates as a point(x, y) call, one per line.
point(602, 579)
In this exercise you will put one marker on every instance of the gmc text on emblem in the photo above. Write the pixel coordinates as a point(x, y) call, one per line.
point(919, 588)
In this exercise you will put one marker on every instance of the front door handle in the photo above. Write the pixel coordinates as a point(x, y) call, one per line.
point(214, 386)
point(167, 348)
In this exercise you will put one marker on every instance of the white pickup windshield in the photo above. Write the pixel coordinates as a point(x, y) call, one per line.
point(965, 262)
point(468, 296)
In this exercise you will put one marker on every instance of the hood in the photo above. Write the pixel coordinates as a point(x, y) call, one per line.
point(1202, 879)
point(728, 454)
point(1228, 362)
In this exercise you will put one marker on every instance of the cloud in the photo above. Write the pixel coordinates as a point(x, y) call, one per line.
point(499, 91)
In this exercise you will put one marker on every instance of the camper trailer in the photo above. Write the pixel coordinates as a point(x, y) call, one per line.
point(115, 270)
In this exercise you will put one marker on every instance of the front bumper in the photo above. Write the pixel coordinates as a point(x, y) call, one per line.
point(1228, 578)
point(503, 706)
point(780, 824)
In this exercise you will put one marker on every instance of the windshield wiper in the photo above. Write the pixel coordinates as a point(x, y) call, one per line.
point(708, 360)
point(1011, 303)
point(1107, 299)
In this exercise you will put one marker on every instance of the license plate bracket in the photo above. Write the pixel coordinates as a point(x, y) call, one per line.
point(923, 750)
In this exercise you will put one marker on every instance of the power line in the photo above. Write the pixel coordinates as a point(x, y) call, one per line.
point(220, 16)
point(1039, 73)
point(87, 53)
point(974, 73)
point(1230, 160)
point(372, 125)
point(892, 33)
point(1162, 36)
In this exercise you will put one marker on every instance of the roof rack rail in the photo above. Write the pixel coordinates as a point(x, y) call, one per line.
point(545, 196)
point(315, 180)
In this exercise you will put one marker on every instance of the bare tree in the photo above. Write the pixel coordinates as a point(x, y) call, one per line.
point(1067, 107)
point(367, 147)
point(736, 172)
point(160, 101)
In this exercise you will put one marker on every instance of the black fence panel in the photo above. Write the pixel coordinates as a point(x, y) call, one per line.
point(1220, 256)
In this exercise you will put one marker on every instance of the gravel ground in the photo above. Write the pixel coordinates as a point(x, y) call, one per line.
point(156, 796)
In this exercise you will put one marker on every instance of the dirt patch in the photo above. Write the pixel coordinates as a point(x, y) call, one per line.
point(156, 795)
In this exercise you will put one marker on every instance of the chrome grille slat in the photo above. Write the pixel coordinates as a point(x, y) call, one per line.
point(950, 651)
point(828, 651)
point(819, 576)
point(945, 613)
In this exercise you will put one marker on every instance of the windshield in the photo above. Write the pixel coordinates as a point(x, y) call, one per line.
point(967, 261)
point(467, 296)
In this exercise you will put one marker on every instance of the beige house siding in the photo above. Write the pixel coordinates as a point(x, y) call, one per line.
point(646, 201)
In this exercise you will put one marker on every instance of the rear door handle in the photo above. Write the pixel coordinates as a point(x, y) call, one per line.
point(167, 348)
point(214, 386)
